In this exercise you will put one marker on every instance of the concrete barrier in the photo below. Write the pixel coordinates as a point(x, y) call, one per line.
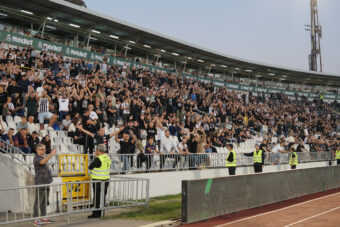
point(14, 174)
point(207, 198)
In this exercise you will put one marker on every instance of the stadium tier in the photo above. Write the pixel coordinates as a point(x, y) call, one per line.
point(77, 85)
point(66, 94)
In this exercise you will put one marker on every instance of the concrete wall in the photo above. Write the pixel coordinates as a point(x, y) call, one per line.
point(169, 183)
point(14, 174)
point(206, 198)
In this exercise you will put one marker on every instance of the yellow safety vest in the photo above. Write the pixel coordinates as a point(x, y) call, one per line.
point(103, 172)
point(337, 154)
point(257, 156)
point(233, 163)
point(295, 159)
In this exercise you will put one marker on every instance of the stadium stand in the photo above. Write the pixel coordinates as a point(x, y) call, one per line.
point(140, 99)
point(147, 104)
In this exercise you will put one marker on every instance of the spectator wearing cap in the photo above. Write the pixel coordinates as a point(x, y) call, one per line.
point(100, 171)
point(33, 141)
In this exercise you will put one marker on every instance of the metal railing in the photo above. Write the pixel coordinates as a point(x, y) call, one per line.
point(45, 201)
point(14, 152)
point(8, 148)
point(135, 163)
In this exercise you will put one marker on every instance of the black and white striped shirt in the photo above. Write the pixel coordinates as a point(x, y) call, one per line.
point(43, 105)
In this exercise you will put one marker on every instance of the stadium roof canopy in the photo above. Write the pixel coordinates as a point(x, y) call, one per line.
point(143, 41)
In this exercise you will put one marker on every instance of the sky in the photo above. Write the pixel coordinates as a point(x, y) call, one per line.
point(267, 31)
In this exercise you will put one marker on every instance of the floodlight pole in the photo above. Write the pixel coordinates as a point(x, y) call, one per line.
point(314, 58)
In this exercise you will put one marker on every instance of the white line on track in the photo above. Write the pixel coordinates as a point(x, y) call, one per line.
point(312, 217)
point(269, 212)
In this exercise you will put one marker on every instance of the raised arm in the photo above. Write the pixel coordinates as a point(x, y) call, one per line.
point(48, 157)
point(117, 132)
point(85, 131)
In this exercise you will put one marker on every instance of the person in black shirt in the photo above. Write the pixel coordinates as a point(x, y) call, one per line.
point(85, 102)
point(3, 99)
point(111, 112)
point(127, 148)
point(33, 141)
point(89, 125)
point(192, 144)
point(79, 137)
point(301, 147)
point(146, 156)
point(75, 102)
point(100, 112)
point(151, 130)
point(13, 88)
point(100, 137)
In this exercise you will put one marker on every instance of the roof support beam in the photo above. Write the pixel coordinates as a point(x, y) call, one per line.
point(43, 29)
point(88, 41)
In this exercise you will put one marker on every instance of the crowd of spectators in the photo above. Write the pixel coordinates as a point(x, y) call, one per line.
point(80, 97)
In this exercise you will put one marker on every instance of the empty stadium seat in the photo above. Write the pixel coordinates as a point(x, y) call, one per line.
point(17, 119)
point(67, 140)
point(9, 119)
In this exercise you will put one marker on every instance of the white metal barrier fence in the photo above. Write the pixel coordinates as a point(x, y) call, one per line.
point(41, 201)
point(134, 163)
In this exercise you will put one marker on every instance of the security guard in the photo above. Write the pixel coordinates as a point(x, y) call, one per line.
point(337, 155)
point(230, 161)
point(100, 172)
point(258, 158)
point(293, 159)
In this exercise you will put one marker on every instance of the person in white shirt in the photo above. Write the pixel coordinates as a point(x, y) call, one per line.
point(258, 139)
point(277, 149)
point(168, 149)
point(30, 125)
point(93, 115)
point(183, 150)
point(63, 105)
point(126, 110)
point(41, 89)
